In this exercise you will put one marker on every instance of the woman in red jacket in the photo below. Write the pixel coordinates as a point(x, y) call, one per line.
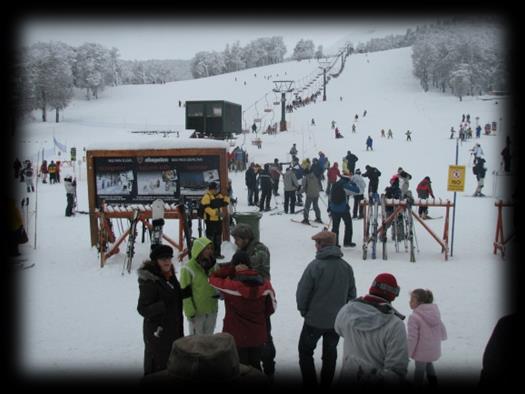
point(248, 300)
point(424, 190)
point(332, 174)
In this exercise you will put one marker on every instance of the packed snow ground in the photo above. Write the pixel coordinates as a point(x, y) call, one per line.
point(78, 317)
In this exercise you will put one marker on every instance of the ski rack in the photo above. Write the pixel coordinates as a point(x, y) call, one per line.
point(126, 212)
point(500, 241)
point(399, 207)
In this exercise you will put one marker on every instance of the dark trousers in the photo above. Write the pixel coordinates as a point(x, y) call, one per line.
point(289, 201)
point(253, 196)
point(70, 203)
point(422, 210)
point(268, 351)
point(307, 344)
point(214, 234)
point(275, 187)
point(347, 219)
point(358, 210)
point(266, 196)
point(250, 356)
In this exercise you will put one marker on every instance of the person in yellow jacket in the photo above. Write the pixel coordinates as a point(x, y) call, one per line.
point(201, 307)
point(213, 202)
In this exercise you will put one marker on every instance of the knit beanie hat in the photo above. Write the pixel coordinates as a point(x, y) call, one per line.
point(161, 251)
point(385, 286)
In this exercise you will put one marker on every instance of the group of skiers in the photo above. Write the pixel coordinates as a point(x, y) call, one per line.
point(377, 344)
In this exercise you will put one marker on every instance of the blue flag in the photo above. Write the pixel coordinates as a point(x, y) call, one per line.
point(60, 146)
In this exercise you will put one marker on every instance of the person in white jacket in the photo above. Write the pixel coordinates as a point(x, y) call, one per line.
point(375, 340)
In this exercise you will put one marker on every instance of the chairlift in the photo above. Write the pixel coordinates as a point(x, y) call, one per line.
point(268, 108)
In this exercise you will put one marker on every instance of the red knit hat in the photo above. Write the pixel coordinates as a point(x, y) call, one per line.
point(385, 286)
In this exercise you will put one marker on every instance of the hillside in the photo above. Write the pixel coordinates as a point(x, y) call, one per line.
point(78, 317)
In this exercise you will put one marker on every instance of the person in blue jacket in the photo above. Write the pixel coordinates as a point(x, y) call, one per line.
point(339, 208)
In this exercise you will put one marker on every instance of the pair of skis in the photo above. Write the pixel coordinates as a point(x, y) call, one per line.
point(157, 220)
point(371, 221)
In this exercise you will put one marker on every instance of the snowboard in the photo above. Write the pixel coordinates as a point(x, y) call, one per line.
point(157, 220)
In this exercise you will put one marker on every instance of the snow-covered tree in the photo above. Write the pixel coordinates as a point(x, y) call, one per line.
point(93, 63)
point(303, 50)
point(319, 53)
point(50, 76)
point(460, 80)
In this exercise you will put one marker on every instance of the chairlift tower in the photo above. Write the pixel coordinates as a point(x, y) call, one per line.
point(323, 64)
point(283, 87)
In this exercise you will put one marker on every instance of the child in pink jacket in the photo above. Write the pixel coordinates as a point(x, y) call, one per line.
point(425, 333)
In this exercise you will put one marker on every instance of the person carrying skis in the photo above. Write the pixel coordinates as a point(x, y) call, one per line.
point(325, 286)
point(369, 142)
point(201, 307)
point(70, 185)
point(338, 208)
point(424, 190)
point(160, 304)
point(213, 202)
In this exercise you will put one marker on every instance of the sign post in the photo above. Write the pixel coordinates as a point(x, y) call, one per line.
point(456, 183)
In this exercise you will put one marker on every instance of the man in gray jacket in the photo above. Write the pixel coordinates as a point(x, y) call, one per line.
point(291, 184)
point(325, 286)
point(375, 340)
point(312, 188)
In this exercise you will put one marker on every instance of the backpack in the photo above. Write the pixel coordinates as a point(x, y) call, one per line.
point(338, 195)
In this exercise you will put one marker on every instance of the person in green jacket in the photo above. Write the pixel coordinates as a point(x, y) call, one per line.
point(201, 308)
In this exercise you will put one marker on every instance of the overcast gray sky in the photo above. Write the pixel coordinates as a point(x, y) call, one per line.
point(183, 38)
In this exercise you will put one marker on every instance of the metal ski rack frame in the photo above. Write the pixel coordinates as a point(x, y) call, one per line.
point(399, 207)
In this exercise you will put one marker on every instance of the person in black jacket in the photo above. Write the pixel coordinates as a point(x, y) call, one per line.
point(160, 303)
point(480, 171)
point(351, 159)
point(373, 174)
point(250, 177)
point(266, 188)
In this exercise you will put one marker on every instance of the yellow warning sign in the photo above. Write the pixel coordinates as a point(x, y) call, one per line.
point(456, 178)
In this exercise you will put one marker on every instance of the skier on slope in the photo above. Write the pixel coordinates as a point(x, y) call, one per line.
point(479, 170)
point(369, 142)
